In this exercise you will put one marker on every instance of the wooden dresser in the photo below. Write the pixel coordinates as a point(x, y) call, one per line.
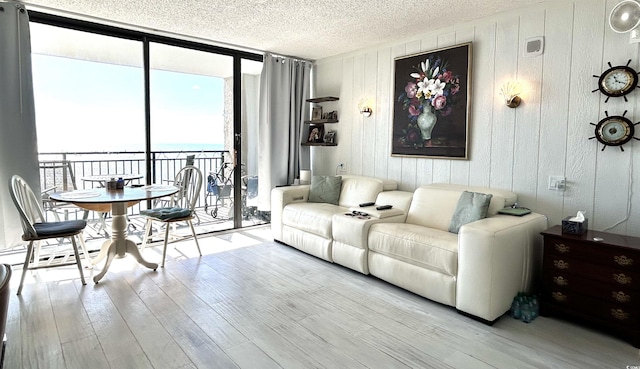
point(593, 282)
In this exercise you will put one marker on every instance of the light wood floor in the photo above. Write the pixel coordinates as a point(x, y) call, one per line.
point(253, 303)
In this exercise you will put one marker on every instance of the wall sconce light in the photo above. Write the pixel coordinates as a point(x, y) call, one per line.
point(365, 107)
point(510, 91)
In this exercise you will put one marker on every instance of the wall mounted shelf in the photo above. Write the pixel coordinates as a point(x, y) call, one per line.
point(318, 144)
point(323, 99)
point(319, 123)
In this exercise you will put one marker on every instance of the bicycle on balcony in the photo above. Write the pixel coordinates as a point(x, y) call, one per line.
point(220, 189)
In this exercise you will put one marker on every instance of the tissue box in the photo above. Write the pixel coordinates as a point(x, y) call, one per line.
point(572, 227)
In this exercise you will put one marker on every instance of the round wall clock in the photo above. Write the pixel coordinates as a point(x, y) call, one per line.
point(617, 81)
point(615, 130)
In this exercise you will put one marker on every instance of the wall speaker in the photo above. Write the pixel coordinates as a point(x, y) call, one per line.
point(534, 46)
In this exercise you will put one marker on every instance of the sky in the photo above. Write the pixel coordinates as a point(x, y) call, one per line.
point(101, 106)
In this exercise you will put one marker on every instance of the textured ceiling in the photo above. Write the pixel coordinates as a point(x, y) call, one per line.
point(310, 29)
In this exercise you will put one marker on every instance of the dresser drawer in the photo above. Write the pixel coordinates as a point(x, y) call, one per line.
point(627, 259)
point(595, 283)
point(611, 313)
point(609, 292)
point(617, 276)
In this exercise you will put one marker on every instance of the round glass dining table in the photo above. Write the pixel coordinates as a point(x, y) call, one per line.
point(119, 245)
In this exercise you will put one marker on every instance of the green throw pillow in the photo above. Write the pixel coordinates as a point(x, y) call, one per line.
point(471, 206)
point(325, 189)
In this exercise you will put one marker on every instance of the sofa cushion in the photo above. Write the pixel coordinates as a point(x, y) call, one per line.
point(325, 189)
point(424, 247)
point(471, 206)
point(501, 198)
point(433, 207)
point(314, 218)
point(357, 190)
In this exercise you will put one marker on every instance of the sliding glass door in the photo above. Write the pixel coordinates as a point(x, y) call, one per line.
point(191, 103)
point(112, 100)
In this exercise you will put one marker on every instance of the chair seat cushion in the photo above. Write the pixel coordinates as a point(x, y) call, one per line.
point(59, 228)
point(166, 213)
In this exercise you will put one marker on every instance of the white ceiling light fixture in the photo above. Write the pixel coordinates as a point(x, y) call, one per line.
point(625, 18)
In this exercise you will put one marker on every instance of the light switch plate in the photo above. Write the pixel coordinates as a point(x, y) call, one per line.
point(557, 183)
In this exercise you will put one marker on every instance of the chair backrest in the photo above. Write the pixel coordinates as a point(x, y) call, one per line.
point(189, 180)
point(28, 205)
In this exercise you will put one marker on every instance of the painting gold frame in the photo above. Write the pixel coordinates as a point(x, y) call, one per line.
point(432, 103)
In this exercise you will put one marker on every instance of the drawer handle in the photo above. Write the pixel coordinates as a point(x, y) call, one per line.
point(621, 278)
point(561, 264)
point(620, 296)
point(619, 314)
point(562, 248)
point(559, 296)
point(623, 260)
point(561, 281)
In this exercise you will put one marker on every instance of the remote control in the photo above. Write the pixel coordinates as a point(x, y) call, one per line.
point(367, 204)
point(383, 207)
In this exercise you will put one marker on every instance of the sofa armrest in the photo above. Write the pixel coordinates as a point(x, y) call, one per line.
point(498, 257)
point(281, 197)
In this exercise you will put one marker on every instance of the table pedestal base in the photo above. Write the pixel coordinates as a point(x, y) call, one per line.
point(119, 245)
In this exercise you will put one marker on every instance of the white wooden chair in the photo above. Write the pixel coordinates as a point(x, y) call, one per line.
point(180, 209)
point(36, 228)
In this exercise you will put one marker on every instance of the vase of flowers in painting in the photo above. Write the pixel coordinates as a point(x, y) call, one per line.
point(426, 121)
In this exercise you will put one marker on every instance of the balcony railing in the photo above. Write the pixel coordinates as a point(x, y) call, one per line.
point(65, 171)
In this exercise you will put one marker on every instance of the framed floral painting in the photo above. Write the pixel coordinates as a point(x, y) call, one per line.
point(432, 95)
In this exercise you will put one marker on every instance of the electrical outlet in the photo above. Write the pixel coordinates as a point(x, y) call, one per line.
point(557, 183)
point(342, 167)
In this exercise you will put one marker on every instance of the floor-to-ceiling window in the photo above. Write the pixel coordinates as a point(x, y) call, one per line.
point(121, 101)
point(87, 99)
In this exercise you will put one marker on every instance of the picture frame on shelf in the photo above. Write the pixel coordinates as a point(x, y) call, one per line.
point(316, 113)
point(316, 133)
point(330, 137)
point(431, 103)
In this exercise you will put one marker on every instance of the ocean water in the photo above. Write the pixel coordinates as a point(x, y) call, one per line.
point(188, 147)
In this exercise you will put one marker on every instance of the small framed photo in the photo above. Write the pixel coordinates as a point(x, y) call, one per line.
point(316, 133)
point(316, 113)
point(330, 137)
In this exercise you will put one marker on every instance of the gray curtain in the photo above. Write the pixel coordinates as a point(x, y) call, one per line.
point(18, 145)
point(284, 89)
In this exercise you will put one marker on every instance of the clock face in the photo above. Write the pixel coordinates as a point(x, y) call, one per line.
point(618, 81)
point(614, 131)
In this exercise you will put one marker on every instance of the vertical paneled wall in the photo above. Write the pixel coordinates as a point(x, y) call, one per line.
point(516, 149)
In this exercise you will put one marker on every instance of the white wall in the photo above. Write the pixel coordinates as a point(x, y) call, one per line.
point(516, 149)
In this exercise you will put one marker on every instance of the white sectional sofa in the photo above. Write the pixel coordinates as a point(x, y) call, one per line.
point(478, 270)
point(308, 225)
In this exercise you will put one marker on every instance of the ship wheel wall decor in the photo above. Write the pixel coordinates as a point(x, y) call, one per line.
point(617, 81)
point(615, 130)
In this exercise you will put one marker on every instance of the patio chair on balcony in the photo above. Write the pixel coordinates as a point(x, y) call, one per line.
point(181, 207)
point(58, 176)
point(35, 228)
